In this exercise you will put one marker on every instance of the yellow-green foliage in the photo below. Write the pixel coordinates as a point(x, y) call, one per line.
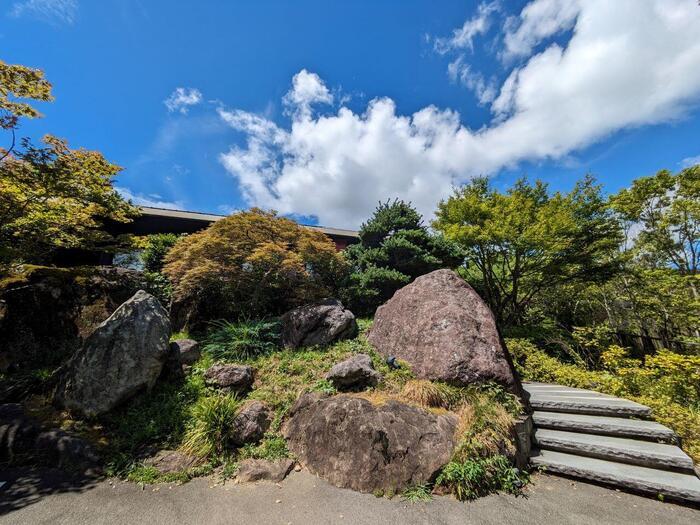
point(667, 382)
point(253, 264)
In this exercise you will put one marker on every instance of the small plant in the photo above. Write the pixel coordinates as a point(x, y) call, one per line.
point(241, 340)
point(209, 431)
point(478, 477)
point(273, 446)
point(428, 394)
point(417, 494)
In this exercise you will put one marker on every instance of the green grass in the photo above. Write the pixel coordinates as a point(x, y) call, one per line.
point(417, 493)
point(209, 430)
point(473, 478)
point(241, 340)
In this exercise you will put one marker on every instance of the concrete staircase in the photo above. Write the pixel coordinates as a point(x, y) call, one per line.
point(605, 439)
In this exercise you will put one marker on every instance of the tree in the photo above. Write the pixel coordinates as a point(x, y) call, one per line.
point(665, 210)
point(395, 248)
point(525, 241)
point(249, 265)
point(19, 82)
point(51, 196)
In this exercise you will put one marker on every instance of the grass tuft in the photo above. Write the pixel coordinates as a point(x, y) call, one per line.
point(209, 431)
point(229, 341)
point(417, 493)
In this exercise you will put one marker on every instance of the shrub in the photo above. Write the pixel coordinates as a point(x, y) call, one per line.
point(210, 427)
point(242, 340)
point(472, 478)
point(155, 248)
point(251, 264)
point(395, 248)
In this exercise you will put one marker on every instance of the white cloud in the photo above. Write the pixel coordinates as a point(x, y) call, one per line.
point(52, 11)
point(610, 76)
point(463, 37)
point(537, 21)
point(182, 99)
point(307, 89)
point(690, 161)
point(458, 71)
point(151, 200)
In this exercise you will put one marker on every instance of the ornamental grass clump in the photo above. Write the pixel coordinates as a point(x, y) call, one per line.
point(428, 394)
point(210, 427)
point(229, 341)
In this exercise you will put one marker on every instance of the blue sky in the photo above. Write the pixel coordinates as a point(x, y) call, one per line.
point(320, 109)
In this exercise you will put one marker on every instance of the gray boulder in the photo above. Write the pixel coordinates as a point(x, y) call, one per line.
point(188, 350)
point(354, 444)
point(123, 356)
point(250, 424)
point(322, 323)
point(234, 378)
point(250, 470)
point(445, 331)
point(355, 373)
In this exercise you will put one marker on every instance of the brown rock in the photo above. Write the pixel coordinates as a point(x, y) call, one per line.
point(317, 324)
point(355, 373)
point(235, 378)
point(188, 350)
point(352, 443)
point(171, 461)
point(445, 331)
point(250, 424)
point(263, 470)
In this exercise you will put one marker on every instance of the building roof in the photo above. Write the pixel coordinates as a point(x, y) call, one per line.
point(209, 217)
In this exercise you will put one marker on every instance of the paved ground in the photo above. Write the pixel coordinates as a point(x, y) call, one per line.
point(37, 498)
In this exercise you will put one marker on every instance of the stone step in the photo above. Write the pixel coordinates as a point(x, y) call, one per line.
point(623, 450)
point(673, 485)
point(607, 426)
point(614, 407)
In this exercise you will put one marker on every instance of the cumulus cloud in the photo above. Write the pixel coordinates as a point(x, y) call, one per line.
point(307, 89)
point(151, 200)
point(463, 37)
point(182, 99)
point(52, 11)
point(610, 76)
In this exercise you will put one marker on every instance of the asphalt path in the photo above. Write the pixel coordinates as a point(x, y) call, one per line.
point(48, 497)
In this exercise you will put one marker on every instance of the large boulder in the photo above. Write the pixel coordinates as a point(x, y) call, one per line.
point(352, 443)
point(445, 331)
point(234, 378)
point(46, 313)
point(321, 323)
point(123, 356)
point(355, 373)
